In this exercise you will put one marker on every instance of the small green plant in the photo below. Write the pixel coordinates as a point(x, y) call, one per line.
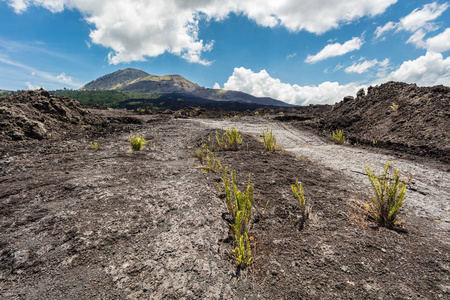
point(138, 143)
point(95, 145)
point(305, 157)
point(298, 191)
point(394, 106)
point(281, 113)
point(256, 113)
point(338, 136)
point(201, 152)
point(212, 163)
point(270, 142)
point(239, 205)
point(388, 196)
point(229, 139)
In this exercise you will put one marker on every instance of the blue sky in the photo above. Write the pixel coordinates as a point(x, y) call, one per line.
point(298, 51)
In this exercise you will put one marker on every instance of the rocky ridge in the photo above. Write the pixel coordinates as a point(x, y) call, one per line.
point(41, 115)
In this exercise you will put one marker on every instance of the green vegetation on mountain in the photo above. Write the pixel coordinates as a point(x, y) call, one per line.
point(105, 98)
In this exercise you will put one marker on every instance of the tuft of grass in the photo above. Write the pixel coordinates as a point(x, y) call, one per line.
point(138, 143)
point(394, 106)
point(298, 191)
point(388, 196)
point(95, 145)
point(270, 141)
point(338, 136)
point(230, 139)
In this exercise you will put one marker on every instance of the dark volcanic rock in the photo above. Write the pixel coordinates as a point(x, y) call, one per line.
point(420, 124)
point(40, 115)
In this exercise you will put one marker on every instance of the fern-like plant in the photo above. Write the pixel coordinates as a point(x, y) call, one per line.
point(95, 145)
point(201, 152)
point(270, 141)
point(338, 136)
point(239, 205)
point(138, 143)
point(230, 139)
point(212, 163)
point(388, 196)
point(298, 191)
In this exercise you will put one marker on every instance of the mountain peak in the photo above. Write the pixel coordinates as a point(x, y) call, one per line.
point(115, 80)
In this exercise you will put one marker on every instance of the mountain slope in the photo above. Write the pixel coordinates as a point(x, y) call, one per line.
point(132, 80)
point(115, 80)
point(161, 84)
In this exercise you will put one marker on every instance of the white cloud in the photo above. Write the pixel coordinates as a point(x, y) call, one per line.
point(332, 50)
point(417, 38)
point(382, 29)
point(440, 42)
point(19, 6)
point(137, 29)
point(361, 67)
point(262, 85)
point(64, 78)
point(216, 86)
point(419, 22)
point(420, 18)
point(31, 86)
point(338, 67)
point(429, 69)
point(291, 56)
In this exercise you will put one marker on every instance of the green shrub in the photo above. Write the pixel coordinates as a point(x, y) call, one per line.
point(229, 139)
point(338, 136)
point(388, 198)
point(95, 145)
point(298, 191)
point(138, 143)
point(270, 142)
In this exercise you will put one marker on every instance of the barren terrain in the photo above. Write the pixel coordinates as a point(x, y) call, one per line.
point(116, 224)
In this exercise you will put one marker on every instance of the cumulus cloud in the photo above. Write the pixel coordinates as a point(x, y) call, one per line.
point(336, 49)
point(263, 85)
point(216, 86)
point(418, 22)
point(136, 29)
point(440, 42)
point(428, 69)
